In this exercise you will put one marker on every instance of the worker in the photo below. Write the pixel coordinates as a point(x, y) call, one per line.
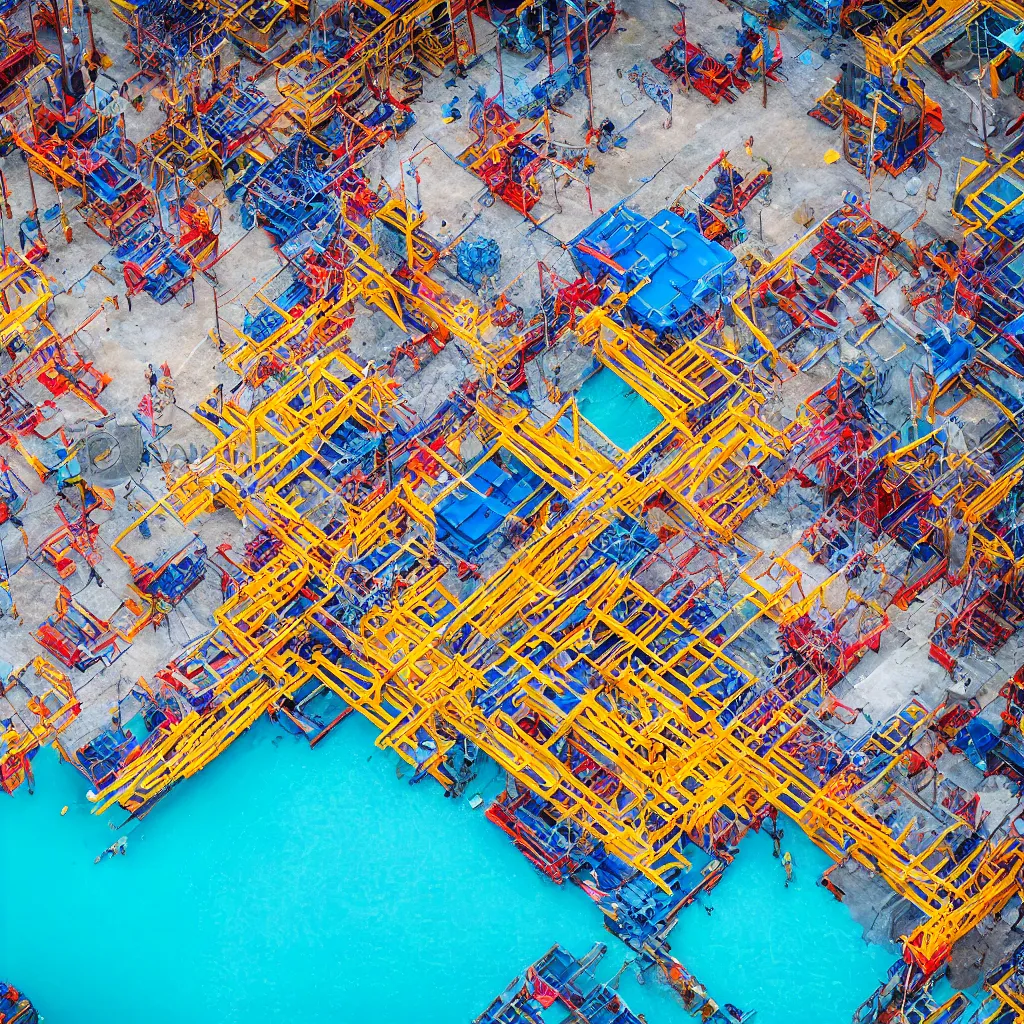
point(787, 863)
point(166, 385)
point(450, 111)
point(688, 994)
point(151, 379)
point(30, 230)
point(1020, 917)
point(605, 135)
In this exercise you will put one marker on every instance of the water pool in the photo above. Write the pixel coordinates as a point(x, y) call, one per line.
point(795, 954)
point(620, 413)
point(282, 884)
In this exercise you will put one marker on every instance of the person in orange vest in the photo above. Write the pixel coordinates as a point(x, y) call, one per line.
point(166, 385)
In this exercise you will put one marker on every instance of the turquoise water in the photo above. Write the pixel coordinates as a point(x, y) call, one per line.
point(288, 884)
point(620, 413)
point(763, 943)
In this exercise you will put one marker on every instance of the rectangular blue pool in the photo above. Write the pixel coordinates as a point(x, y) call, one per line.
point(620, 413)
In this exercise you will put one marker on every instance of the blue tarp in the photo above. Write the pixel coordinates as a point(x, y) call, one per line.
point(685, 270)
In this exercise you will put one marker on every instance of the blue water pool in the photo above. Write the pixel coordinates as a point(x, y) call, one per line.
point(289, 884)
point(793, 953)
point(620, 413)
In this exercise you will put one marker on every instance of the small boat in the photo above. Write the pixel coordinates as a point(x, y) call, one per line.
point(15, 1008)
